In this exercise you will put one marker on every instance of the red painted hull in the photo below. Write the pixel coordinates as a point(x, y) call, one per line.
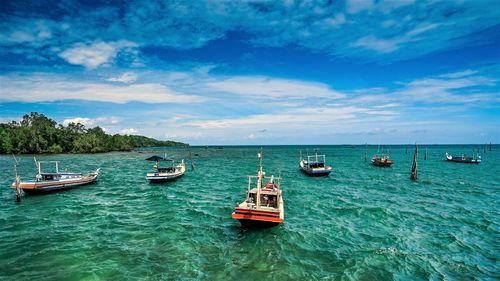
point(255, 218)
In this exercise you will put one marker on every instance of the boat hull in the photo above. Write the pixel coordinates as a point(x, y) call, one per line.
point(160, 179)
point(257, 224)
point(54, 188)
point(472, 161)
point(387, 163)
point(257, 219)
point(321, 173)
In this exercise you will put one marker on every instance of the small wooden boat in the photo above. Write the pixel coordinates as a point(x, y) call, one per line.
point(53, 181)
point(263, 205)
point(164, 174)
point(475, 159)
point(315, 165)
point(382, 161)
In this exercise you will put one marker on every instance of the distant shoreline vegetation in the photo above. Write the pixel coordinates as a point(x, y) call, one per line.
point(37, 133)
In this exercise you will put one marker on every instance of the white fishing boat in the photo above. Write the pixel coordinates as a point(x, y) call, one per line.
point(164, 174)
point(474, 159)
point(314, 165)
point(45, 182)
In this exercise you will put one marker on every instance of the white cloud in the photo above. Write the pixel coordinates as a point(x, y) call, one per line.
point(126, 77)
point(48, 88)
point(99, 121)
point(392, 44)
point(380, 45)
point(453, 88)
point(356, 6)
point(96, 54)
point(81, 120)
point(308, 117)
point(273, 88)
point(128, 131)
point(335, 29)
point(336, 21)
point(459, 74)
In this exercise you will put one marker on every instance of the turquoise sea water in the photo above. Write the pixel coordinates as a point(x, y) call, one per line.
point(360, 223)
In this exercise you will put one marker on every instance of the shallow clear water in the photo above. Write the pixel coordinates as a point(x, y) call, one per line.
point(360, 223)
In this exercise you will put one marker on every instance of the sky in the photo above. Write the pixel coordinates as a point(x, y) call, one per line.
point(258, 72)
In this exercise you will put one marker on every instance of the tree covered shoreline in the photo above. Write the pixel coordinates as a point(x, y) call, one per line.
point(37, 133)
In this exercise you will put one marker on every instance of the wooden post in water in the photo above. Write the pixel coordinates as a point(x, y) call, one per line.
point(414, 168)
point(490, 145)
point(406, 150)
point(425, 155)
point(366, 152)
point(18, 189)
point(191, 160)
point(484, 151)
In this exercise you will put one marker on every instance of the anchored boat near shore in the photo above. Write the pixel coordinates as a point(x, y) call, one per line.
point(263, 205)
point(45, 182)
point(164, 174)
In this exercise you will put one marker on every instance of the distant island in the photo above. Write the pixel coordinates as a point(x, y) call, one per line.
point(37, 133)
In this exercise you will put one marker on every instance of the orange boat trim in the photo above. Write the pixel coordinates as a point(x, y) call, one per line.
point(256, 212)
point(256, 217)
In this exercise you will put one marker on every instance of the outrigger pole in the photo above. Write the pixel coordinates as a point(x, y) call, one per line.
point(259, 179)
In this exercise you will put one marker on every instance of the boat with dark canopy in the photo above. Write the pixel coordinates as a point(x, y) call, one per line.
point(164, 174)
point(46, 182)
point(475, 159)
point(314, 165)
point(263, 206)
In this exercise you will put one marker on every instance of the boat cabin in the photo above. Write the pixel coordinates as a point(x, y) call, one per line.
point(315, 161)
point(53, 176)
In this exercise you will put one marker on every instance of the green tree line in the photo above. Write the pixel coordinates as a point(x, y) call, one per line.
point(37, 133)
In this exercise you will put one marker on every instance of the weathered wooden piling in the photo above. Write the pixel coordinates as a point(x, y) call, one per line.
point(414, 168)
point(366, 152)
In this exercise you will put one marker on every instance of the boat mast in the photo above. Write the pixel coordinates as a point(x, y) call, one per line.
point(37, 164)
point(259, 179)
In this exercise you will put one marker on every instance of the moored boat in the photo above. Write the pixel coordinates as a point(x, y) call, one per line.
point(314, 165)
point(382, 161)
point(53, 181)
point(164, 174)
point(263, 205)
point(475, 159)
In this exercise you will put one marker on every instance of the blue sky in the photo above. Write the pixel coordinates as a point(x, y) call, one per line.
point(258, 72)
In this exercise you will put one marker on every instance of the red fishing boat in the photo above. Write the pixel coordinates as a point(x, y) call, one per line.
point(263, 205)
point(382, 161)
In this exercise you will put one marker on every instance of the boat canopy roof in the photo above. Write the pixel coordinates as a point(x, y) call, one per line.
point(157, 158)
